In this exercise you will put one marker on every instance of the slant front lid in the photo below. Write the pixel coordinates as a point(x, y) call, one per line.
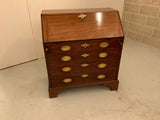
point(80, 25)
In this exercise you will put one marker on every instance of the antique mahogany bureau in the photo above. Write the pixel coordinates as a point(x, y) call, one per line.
point(82, 47)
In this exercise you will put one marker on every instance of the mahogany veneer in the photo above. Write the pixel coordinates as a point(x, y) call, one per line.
point(82, 47)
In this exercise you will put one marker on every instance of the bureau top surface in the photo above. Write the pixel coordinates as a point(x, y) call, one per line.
point(80, 24)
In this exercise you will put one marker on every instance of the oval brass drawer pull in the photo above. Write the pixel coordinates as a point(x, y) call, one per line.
point(102, 76)
point(67, 80)
point(84, 65)
point(66, 48)
point(104, 44)
point(82, 16)
point(103, 55)
point(85, 55)
point(85, 45)
point(66, 58)
point(102, 65)
point(84, 76)
point(66, 69)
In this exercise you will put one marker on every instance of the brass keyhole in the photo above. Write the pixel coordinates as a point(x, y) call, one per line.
point(85, 45)
point(84, 65)
point(103, 55)
point(67, 80)
point(84, 76)
point(85, 55)
point(82, 16)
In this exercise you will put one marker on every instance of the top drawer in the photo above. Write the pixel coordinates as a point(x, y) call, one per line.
point(79, 26)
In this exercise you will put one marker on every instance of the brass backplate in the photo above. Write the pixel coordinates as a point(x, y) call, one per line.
point(102, 76)
point(66, 58)
point(104, 44)
point(103, 55)
point(67, 80)
point(66, 48)
point(102, 65)
point(66, 69)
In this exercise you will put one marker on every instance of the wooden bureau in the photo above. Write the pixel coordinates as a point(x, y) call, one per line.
point(82, 47)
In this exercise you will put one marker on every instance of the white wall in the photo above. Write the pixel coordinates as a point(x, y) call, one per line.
point(17, 43)
point(36, 6)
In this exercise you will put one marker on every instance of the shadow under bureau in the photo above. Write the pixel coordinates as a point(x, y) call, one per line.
point(82, 47)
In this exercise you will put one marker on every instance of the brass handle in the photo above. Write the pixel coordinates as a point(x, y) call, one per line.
point(85, 45)
point(85, 55)
point(84, 65)
point(104, 44)
point(66, 48)
point(84, 76)
point(67, 80)
point(103, 55)
point(82, 16)
point(102, 65)
point(66, 58)
point(66, 69)
point(102, 76)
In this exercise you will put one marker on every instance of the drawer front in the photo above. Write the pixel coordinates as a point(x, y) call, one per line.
point(69, 80)
point(57, 48)
point(75, 63)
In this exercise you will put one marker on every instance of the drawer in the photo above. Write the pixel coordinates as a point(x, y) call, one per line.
point(81, 46)
point(87, 67)
point(109, 56)
point(82, 78)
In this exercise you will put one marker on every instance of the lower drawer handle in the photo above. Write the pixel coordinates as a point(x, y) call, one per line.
point(66, 69)
point(102, 65)
point(67, 80)
point(84, 76)
point(66, 58)
point(102, 76)
point(103, 55)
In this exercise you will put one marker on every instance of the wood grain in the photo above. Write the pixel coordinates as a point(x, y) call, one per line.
point(67, 27)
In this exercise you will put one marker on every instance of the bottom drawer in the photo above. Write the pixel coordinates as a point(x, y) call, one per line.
point(69, 80)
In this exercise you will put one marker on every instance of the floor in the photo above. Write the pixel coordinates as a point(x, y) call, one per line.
point(24, 95)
